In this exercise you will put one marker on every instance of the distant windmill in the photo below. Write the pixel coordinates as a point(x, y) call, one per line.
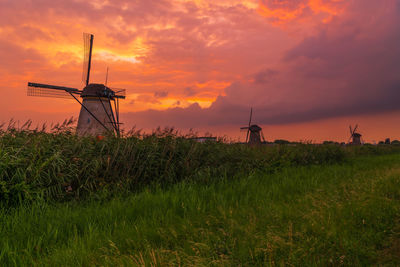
point(97, 115)
point(354, 136)
point(254, 131)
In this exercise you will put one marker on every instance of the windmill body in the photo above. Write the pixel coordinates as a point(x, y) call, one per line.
point(254, 135)
point(355, 137)
point(99, 113)
point(100, 106)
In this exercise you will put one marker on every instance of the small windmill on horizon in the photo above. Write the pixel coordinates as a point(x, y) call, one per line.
point(355, 137)
point(97, 115)
point(254, 132)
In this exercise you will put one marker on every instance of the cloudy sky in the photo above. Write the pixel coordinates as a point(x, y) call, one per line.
point(309, 68)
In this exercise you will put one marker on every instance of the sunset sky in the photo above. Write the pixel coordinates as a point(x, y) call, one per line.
point(309, 68)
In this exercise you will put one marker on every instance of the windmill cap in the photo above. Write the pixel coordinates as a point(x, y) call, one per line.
point(99, 90)
point(356, 135)
point(255, 128)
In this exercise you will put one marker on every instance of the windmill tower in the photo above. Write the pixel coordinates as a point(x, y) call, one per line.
point(254, 131)
point(100, 104)
point(354, 136)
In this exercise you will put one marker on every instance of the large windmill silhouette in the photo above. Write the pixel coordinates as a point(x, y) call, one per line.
point(100, 104)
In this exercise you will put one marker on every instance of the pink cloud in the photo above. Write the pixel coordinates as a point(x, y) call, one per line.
point(186, 51)
point(350, 67)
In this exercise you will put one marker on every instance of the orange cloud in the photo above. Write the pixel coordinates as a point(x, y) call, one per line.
point(283, 11)
point(332, 7)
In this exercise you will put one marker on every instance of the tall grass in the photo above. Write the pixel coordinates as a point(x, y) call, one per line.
point(59, 165)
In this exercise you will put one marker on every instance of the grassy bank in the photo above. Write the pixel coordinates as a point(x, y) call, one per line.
point(35, 165)
point(338, 214)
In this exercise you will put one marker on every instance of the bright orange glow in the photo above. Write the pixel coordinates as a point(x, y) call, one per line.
point(280, 14)
point(333, 7)
point(288, 11)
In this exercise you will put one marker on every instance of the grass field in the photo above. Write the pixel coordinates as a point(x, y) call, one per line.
point(303, 206)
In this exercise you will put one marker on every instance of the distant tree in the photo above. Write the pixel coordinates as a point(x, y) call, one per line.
point(330, 143)
point(395, 142)
point(381, 143)
point(281, 142)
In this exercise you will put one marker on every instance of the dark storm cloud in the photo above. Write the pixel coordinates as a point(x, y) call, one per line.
point(264, 76)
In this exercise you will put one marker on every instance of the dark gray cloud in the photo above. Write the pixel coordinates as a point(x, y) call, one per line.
point(189, 91)
point(161, 94)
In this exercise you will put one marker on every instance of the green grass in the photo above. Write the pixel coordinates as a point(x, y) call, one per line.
point(320, 215)
point(60, 166)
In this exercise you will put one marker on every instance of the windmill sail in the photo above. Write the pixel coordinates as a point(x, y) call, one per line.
point(87, 56)
point(262, 136)
point(248, 129)
point(47, 90)
point(119, 93)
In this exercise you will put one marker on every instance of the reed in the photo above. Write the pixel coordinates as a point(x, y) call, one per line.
point(52, 163)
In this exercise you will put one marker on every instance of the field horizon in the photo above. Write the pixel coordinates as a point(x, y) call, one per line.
point(69, 125)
